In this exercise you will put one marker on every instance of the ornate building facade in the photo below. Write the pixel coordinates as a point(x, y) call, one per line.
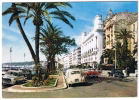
point(115, 22)
point(92, 44)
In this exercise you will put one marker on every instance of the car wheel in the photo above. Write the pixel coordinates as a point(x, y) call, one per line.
point(96, 76)
point(69, 85)
point(85, 83)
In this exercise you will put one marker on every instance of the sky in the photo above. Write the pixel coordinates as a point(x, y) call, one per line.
point(84, 12)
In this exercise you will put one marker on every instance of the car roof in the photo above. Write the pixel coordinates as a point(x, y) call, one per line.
point(69, 70)
point(15, 71)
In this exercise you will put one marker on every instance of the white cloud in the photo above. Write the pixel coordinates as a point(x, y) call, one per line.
point(77, 39)
point(82, 18)
point(18, 53)
point(9, 37)
point(11, 29)
point(16, 30)
point(87, 28)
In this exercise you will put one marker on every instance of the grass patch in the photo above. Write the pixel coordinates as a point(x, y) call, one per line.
point(29, 84)
point(51, 82)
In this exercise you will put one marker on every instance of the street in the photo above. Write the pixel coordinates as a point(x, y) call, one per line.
point(96, 87)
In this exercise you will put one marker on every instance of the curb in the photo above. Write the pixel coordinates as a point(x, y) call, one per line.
point(14, 90)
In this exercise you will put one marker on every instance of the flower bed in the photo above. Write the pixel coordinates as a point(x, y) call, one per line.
point(52, 82)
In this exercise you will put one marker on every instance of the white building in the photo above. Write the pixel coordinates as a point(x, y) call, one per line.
point(70, 58)
point(92, 43)
point(66, 61)
point(76, 56)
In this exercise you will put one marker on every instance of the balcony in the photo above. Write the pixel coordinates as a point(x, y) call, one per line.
point(108, 35)
point(108, 42)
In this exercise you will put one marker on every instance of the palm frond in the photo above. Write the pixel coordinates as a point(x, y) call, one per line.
point(27, 17)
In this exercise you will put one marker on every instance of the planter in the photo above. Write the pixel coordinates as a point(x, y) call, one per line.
point(22, 86)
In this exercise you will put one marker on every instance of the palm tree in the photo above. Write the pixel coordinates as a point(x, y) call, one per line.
point(135, 49)
point(39, 13)
point(124, 35)
point(119, 54)
point(108, 53)
point(15, 11)
point(53, 43)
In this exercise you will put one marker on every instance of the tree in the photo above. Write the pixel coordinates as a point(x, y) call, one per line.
point(135, 49)
point(108, 53)
point(119, 55)
point(124, 53)
point(15, 11)
point(124, 35)
point(39, 13)
point(53, 43)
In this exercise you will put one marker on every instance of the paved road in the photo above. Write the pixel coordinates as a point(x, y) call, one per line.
point(6, 86)
point(96, 87)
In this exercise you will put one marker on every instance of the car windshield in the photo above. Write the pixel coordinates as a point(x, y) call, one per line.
point(75, 72)
point(118, 71)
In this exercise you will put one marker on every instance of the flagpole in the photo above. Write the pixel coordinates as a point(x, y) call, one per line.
point(10, 57)
point(24, 60)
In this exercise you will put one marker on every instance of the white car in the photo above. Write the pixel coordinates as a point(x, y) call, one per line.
point(12, 77)
point(73, 76)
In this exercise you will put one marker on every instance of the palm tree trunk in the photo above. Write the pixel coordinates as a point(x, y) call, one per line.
point(37, 60)
point(24, 35)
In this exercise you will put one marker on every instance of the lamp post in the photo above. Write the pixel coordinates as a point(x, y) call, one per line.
point(115, 54)
point(10, 57)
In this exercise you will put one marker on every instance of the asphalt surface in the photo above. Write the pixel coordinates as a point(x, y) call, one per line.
point(96, 87)
point(6, 86)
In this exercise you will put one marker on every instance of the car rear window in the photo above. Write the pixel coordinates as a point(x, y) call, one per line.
point(75, 72)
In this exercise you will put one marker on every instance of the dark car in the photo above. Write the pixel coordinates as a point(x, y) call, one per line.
point(116, 73)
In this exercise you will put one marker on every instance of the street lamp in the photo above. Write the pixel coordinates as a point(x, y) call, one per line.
point(115, 54)
point(10, 57)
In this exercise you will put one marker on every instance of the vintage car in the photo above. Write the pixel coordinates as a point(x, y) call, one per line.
point(91, 72)
point(65, 69)
point(73, 76)
point(116, 73)
point(13, 77)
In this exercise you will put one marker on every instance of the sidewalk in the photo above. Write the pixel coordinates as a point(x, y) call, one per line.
point(60, 85)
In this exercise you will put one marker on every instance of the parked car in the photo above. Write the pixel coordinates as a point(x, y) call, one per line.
point(91, 72)
point(116, 73)
point(13, 77)
point(65, 69)
point(73, 76)
point(3, 73)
